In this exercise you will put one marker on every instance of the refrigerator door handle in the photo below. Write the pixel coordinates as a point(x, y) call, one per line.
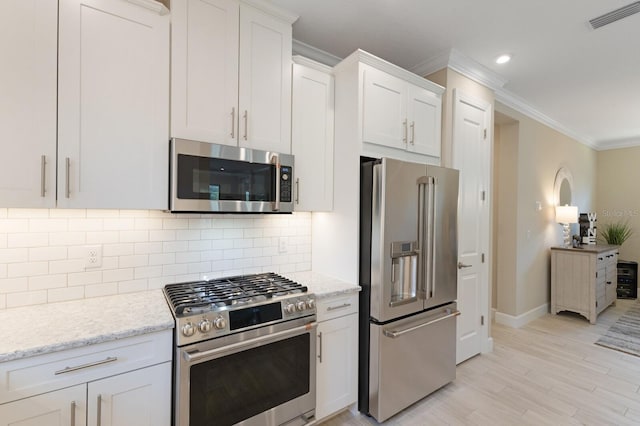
point(397, 333)
point(432, 237)
point(422, 289)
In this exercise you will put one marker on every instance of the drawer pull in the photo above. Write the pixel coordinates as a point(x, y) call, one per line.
point(333, 308)
point(73, 413)
point(87, 365)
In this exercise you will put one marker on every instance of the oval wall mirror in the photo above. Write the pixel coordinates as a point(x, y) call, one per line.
point(563, 187)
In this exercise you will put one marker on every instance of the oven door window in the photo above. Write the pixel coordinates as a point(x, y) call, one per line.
point(236, 387)
point(215, 179)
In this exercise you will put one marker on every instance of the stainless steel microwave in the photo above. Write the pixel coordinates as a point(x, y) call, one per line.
point(211, 178)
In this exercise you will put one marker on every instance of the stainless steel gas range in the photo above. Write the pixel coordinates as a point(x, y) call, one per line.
point(245, 351)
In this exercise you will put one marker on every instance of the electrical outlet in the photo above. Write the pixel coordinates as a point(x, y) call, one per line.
point(93, 257)
point(282, 245)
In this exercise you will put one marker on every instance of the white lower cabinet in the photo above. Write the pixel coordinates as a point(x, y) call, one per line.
point(337, 362)
point(59, 408)
point(136, 398)
point(121, 383)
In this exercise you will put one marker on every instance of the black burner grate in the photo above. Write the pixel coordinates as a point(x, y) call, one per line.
point(242, 289)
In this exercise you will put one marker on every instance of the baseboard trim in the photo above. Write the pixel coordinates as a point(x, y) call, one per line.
point(523, 319)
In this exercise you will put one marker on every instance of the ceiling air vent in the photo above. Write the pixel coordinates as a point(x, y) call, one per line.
point(615, 15)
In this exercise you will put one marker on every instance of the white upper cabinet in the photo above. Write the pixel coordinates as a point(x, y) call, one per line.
point(113, 104)
point(399, 114)
point(312, 136)
point(231, 73)
point(424, 118)
point(384, 109)
point(204, 70)
point(28, 37)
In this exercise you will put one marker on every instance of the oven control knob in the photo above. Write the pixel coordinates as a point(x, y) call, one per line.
point(290, 308)
point(311, 304)
point(301, 305)
point(220, 323)
point(205, 326)
point(188, 329)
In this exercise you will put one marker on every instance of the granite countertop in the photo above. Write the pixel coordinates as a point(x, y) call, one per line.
point(40, 329)
point(321, 285)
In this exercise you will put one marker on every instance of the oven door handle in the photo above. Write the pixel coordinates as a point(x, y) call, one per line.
point(195, 356)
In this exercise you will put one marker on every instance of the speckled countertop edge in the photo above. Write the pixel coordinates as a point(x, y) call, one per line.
point(40, 329)
point(321, 285)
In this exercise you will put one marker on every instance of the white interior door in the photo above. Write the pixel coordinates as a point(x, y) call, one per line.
point(471, 154)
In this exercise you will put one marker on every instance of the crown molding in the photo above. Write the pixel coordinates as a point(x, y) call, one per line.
point(273, 10)
point(462, 64)
point(318, 55)
point(310, 63)
point(618, 143)
point(519, 104)
point(363, 57)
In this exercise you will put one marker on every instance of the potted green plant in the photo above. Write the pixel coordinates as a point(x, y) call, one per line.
point(616, 233)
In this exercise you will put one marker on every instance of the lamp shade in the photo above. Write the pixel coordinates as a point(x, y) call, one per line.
point(566, 214)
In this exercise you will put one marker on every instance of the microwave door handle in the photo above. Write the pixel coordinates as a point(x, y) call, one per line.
point(275, 159)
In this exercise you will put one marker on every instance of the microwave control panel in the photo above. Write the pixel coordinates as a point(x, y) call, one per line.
point(285, 184)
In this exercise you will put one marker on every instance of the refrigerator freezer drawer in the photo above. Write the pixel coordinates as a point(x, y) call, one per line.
point(410, 359)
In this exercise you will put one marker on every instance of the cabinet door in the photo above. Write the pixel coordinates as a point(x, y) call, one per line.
point(424, 112)
point(336, 372)
point(113, 105)
point(384, 112)
point(141, 397)
point(204, 70)
point(265, 81)
point(28, 34)
point(312, 138)
point(59, 408)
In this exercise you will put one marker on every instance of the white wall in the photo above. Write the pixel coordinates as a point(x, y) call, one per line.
point(42, 250)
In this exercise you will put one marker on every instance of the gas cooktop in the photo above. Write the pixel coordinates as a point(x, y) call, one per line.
point(212, 308)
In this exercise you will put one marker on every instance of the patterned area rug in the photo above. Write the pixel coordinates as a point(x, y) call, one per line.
point(624, 334)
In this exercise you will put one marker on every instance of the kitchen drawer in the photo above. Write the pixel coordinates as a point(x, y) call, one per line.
point(338, 306)
point(26, 377)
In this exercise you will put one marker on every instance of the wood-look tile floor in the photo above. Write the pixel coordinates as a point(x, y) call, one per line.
point(549, 372)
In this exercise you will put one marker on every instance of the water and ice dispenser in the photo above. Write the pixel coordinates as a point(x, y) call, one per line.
point(404, 272)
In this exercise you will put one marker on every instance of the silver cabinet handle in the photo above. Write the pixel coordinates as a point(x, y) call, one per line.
point(87, 365)
point(406, 132)
point(246, 120)
point(463, 265)
point(320, 350)
point(67, 166)
point(297, 190)
point(73, 413)
point(275, 159)
point(43, 166)
point(233, 123)
point(413, 132)
point(99, 409)
point(394, 334)
point(333, 308)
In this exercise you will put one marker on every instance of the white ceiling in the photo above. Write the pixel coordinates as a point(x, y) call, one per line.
point(584, 82)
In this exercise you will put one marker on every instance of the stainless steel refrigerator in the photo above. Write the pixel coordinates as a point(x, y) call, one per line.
point(408, 275)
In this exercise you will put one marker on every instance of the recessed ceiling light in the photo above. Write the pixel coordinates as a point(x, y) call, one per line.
point(503, 59)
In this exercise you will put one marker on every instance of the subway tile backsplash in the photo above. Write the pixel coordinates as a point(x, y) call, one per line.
point(43, 251)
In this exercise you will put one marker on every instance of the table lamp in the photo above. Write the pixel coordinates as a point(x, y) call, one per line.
point(566, 215)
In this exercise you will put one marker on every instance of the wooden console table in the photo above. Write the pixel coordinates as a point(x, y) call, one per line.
point(584, 279)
